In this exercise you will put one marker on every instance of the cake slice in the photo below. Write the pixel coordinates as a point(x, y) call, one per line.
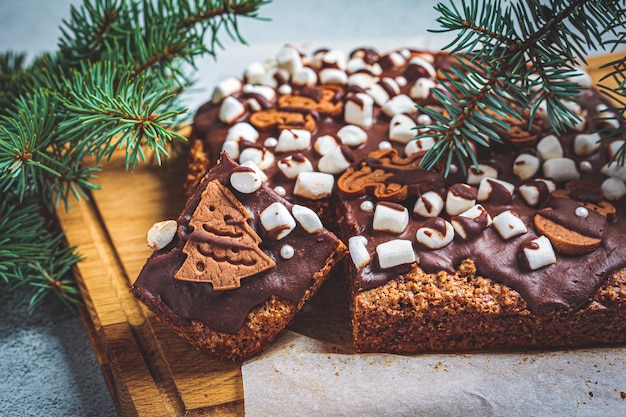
point(237, 265)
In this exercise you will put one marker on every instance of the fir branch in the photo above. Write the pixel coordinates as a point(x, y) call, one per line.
point(525, 53)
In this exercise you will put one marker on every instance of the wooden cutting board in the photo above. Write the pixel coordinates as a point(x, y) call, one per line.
point(150, 371)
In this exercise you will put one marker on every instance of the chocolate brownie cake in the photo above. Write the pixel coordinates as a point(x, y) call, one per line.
point(237, 265)
point(526, 250)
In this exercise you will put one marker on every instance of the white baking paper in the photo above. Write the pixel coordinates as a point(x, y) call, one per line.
point(301, 376)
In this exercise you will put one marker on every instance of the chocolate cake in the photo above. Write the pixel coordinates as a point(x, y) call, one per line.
point(237, 265)
point(525, 250)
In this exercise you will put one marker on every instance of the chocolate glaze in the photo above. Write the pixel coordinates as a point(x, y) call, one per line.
point(566, 285)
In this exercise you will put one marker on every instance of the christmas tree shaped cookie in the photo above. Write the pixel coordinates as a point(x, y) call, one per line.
point(222, 249)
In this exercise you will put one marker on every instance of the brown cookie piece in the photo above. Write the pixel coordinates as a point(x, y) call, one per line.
point(572, 228)
point(323, 100)
point(273, 119)
point(589, 195)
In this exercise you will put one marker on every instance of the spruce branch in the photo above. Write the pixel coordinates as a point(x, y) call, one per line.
point(525, 53)
point(114, 83)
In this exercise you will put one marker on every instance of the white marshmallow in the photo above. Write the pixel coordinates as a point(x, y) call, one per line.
point(457, 204)
point(161, 234)
point(254, 72)
point(614, 147)
point(231, 110)
point(358, 64)
point(542, 255)
point(428, 204)
point(242, 131)
point(276, 215)
point(380, 93)
point(333, 76)
point(246, 181)
point(352, 135)
point(399, 104)
point(433, 238)
point(586, 144)
point(614, 169)
point(475, 212)
point(421, 89)
point(268, 93)
point(304, 77)
point(333, 58)
point(606, 117)
point(419, 145)
point(262, 157)
point(560, 169)
point(486, 187)
point(307, 218)
point(402, 128)
point(531, 194)
point(390, 218)
point(226, 88)
point(509, 224)
point(362, 79)
point(285, 89)
point(291, 140)
point(580, 112)
point(289, 59)
point(526, 166)
point(334, 162)
point(360, 113)
point(274, 77)
point(549, 147)
point(314, 185)
point(474, 176)
point(231, 147)
point(291, 167)
point(613, 188)
point(395, 252)
point(358, 251)
point(255, 168)
point(325, 144)
point(424, 63)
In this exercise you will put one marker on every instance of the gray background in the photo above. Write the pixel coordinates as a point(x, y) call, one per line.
point(47, 367)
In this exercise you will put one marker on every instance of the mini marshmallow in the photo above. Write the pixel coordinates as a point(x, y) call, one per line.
point(477, 213)
point(395, 252)
point(289, 59)
point(428, 204)
point(460, 197)
point(419, 145)
point(242, 131)
point(325, 144)
point(291, 140)
point(475, 176)
point(270, 142)
point(333, 76)
point(254, 73)
point(531, 194)
point(307, 218)
point(390, 217)
point(613, 188)
point(526, 166)
point(314, 185)
point(358, 251)
point(385, 145)
point(486, 187)
point(363, 80)
point(336, 161)
point(359, 110)
point(380, 91)
point(422, 62)
point(226, 88)
point(335, 58)
point(586, 144)
point(614, 147)
point(432, 238)
point(539, 253)
point(252, 165)
point(421, 89)
point(292, 166)
point(580, 112)
point(161, 234)
point(285, 89)
point(402, 128)
point(264, 91)
point(277, 216)
point(606, 117)
point(509, 224)
point(397, 58)
point(231, 110)
point(304, 77)
point(614, 169)
point(399, 104)
point(352, 135)
point(274, 77)
point(560, 169)
point(262, 157)
point(358, 64)
point(231, 147)
point(245, 180)
point(549, 147)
